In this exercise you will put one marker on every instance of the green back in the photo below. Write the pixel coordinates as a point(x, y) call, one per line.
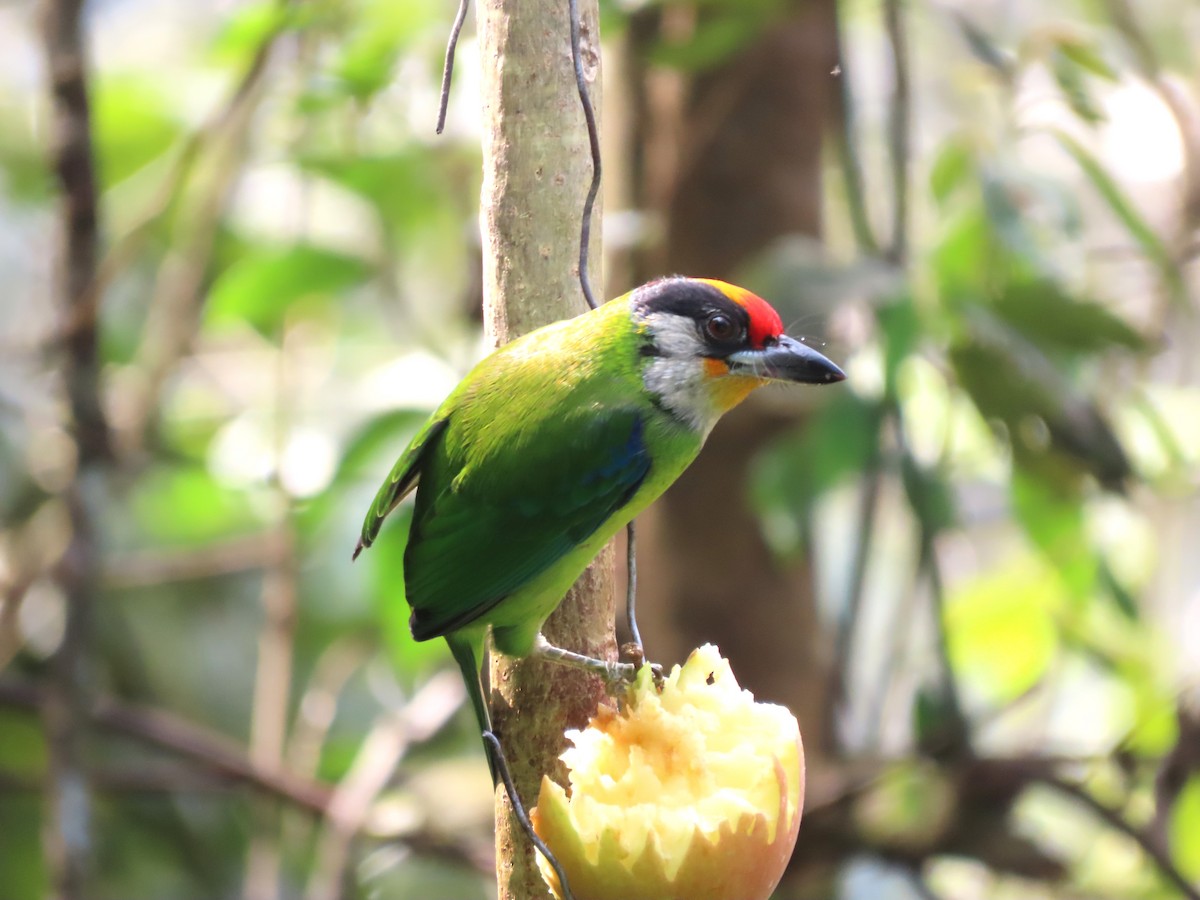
point(534, 451)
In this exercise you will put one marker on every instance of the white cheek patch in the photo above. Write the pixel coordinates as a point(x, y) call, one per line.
point(676, 377)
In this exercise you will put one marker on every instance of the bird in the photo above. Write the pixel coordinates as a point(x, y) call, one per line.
point(556, 441)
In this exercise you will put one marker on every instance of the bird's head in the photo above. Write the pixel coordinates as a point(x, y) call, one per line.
point(708, 344)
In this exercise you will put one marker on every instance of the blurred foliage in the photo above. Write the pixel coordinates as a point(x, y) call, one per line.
point(289, 290)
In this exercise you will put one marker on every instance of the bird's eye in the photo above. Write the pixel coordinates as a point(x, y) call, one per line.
point(720, 327)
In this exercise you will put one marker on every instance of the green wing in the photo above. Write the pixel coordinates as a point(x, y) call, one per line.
point(509, 508)
point(400, 483)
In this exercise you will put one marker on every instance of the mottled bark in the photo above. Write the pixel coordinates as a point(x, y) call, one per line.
point(68, 827)
point(536, 172)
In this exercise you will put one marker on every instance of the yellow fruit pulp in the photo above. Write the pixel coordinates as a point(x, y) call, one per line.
point(694, 758)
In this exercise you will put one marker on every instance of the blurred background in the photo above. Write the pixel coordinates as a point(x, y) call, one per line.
point(972, 570)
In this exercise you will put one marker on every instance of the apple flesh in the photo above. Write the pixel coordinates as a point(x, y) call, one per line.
point(691, 791)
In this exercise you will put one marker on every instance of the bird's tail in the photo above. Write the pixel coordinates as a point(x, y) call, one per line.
point(468, 654)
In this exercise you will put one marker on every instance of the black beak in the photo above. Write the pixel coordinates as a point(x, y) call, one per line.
point(786, 360)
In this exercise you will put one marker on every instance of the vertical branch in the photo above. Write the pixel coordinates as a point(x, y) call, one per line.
point(273, 677)
point(846, 139)
point(899, 128)
point(536, 170)
point(68, 822)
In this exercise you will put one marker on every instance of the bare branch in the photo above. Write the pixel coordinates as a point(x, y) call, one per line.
point(1142, 837)
point(159, 728)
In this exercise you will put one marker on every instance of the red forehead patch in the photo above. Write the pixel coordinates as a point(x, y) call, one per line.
point(764, 321)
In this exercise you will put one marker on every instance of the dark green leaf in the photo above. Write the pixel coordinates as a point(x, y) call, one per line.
point(929, 496)
point(838, 443)
point(1044, 312)
point(1073, 84)
point(1086, 56)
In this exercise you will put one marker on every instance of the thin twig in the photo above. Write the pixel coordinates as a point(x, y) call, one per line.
point(276, 652)
point(868, 508)
point(589, 115)
point(169, 732)
point(1116, 820)
point(149, 568)
point(900, 111)
point(131, 243)
point(847, 142)
point(631, 588)
point(448, 66)
point(518, 810)
point(381, 751)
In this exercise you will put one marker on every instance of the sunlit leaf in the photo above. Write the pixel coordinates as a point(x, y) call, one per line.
point(1185, 830)
point(383, 30)
point(134, 122)
point(185, 504)
point(1055, 525)
point(1000, 630)
point(261, 286)
point(248, 27)
point(951, 169)
point(408, 188)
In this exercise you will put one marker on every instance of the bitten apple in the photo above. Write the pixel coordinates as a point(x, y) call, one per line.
point(691, 791)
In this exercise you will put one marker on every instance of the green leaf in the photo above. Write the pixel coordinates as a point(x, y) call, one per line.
point(1185, 830)
point(1055, 525)
point(902, 331)
point(838, 443)
point(1055, 430)
point(1122, 207)
point(1085, 55)
point(1000, 630)
point(1073, 84)
point(244, 32)
point(1043, 311)
point(984, 49)
point(930, 496)
point(260, 287)
point(408, 189)
point(185, 504)
point(714, 41)
point(410, 659)
point(134, 122)
point(951, 169)
point(383, 30)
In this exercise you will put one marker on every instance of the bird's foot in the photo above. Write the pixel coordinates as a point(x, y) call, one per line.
point(615, 674)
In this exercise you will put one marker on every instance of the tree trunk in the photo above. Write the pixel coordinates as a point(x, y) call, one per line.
point(537, 168)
